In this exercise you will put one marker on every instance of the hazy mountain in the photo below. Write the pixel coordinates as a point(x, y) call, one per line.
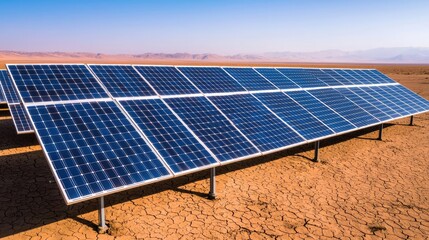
point(378, 55)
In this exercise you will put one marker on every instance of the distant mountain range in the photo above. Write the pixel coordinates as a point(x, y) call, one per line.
point(378, 55)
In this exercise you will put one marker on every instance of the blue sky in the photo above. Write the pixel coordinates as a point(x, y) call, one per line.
point(221, 26)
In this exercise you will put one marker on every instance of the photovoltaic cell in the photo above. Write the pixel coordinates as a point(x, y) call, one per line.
point(405, 98)
point(250, 79)
point(20, 118)
point(388, 110)
point(379, 76)
point(175, 143)
point(334, 73)
point(323, 113)
point(211, 127)
point(324, 77)
point(211, 79)
point(2, 98)
point(94, 149)
point(8, 88)
point(397, 98)
point(422, 102)
point(347, 74)
point(167, 80)
point(302, 77)
point(356, 75)
point(295, 115)
point(261, 126)
point(344, 107)
point(362, 103)
point(44, 83)
point(384, 98)
point(278, 79)
point(122, 81)
point(365, 74)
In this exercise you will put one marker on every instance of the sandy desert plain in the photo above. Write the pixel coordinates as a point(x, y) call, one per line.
point(362, 188)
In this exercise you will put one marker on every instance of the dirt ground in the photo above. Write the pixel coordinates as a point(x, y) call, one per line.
point(362, 189)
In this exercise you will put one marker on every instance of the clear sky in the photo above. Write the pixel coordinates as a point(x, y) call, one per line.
point(218, 26)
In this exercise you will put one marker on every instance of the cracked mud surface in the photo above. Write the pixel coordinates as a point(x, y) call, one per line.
point(362, 189)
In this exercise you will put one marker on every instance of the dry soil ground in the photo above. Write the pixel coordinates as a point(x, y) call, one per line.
point(362, 189)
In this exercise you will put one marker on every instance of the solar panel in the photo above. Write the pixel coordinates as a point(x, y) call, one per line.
point(325, 114)
point(365, 74)
point(9, 92)
point(94, 149)
point(384, 98)
point(388, 110)
point(296, 116)
point(379, 76)
point(361, 102)
point(250, 79)
point(2, 98)
point(20, 119)
point(174, 142)
point(398, 99)
point(213, 128)
point(347, 75)
point(340, 78)
point(122, 81)
point(261, 126)
point(405, 98)
point(44, 83)
point(211, 79)
point(344, 107)
point(324, 77)
point(302, 77)
point(359, 78)
point(423, 103)
point(167, 80)
point(278, 79)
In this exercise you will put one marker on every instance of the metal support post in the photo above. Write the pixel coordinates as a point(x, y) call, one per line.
point(411, 120)
point(316, 151)
point(212, 193)
point(380, 132)
point(102, 227)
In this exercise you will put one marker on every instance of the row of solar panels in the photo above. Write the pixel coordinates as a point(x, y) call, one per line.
point(133, 81)
point(98, 145)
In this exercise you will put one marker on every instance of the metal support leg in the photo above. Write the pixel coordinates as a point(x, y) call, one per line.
point(411, 120)
point(380, 133)
point(316, 151)
point(212, 193)
point(102, 228)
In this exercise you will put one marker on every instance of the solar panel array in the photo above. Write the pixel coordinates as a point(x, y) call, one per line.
point(19, 116)
point(106, 128)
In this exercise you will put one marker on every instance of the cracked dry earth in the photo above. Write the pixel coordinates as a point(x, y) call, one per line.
point(362, 189)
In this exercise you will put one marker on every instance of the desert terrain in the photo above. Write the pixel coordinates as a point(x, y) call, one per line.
point(362, 188)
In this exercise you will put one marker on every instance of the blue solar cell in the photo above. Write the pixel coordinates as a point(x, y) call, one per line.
point(122, 81)
point(376, 102)
point(43, 83)
point(174, 142)
point(326, 78)
point(278, 79)
point(337, 76)
point(8, 89)
point(214, 129)
point(2, 98)
point(384, 98)
point(323, 113)
point(423, 103)
point(398, 98)
point(362, 79)
point(167, 80)
point(261, 126)
point(295, 115)
point(211, 79)
point(302, 77)
point(379, 76)
point(361, 102)
point(94, 149)
point(369, 79)
point(349, 76)
point(250, 79)
point(344, 107)
point(20, 118)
